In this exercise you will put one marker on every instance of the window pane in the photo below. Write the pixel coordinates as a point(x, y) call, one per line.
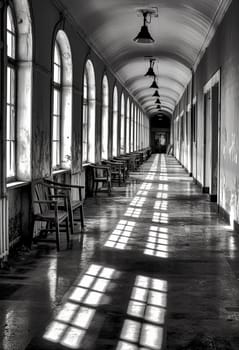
point(13, 83)
point(57, 74)
point(56, 102)
point(56, 128)
point(85, 143)
point(85, 95)
point(12, 121)
point(57, 59)
point(11, 42)
point(8, 136)
point(57, 65)
point(8, 85)
point(10, 22)
point(10, 145)
point(55, 154)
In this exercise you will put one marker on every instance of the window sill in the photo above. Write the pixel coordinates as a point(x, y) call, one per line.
point(86, 164)
point(17, 184)
point(60, 171)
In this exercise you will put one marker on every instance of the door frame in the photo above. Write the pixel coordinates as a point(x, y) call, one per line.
point(216, 79)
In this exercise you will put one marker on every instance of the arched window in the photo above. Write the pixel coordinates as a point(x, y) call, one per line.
point(138, 130)
point(62, 103)
point(132, 127)
point(88, 125)
point(11, 95)
point(127, 125)
point(122, 125)
point(135, 127)
point(141, 131)
point(105, 118)
point(115, 123)
point(18, 91)
point(56, 115)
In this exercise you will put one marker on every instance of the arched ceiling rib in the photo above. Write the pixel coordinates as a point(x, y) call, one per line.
point(180, 31)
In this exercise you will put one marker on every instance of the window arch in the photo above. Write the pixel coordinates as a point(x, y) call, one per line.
point(122, 124)
point(115, 123)
point(127, 125)
point(88, 125)
point(62, 102)
point(105, 118)
point(18, 91)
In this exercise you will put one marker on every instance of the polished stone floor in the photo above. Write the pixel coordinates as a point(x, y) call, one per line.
point(157, 268)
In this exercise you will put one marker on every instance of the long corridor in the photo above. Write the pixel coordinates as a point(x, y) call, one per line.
point(156, 269)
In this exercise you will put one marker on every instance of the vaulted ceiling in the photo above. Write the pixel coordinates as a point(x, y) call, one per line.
point(181, 32)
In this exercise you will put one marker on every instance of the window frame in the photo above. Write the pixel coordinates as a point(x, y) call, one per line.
point(89, 71)
point(127, 133)
point(122, 124)
point(59, 88)
point(105, 118)
point(12, 64)
point(115, 122)
point(85, 112)
point(132, 116)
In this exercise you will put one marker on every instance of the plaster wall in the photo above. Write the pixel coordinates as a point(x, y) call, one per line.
point(222, 54)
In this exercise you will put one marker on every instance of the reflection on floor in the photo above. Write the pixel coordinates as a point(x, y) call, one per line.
point(156, 269)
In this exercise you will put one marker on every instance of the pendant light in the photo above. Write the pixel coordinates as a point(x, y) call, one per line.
point(150, 72)
point(156, 94)
point(144, 36)
point(154, 85)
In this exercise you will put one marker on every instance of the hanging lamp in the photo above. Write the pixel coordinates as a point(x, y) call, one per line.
point(156, 94)
point(154, 85)
point(144, 36)
point(150, 72)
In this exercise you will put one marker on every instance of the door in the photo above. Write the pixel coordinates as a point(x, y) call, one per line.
point(215, 152)
point(207, 142)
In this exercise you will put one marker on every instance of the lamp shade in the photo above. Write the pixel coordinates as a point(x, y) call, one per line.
point(144, 36)
point(150, 73)
point(154, 85)
point(156, 94)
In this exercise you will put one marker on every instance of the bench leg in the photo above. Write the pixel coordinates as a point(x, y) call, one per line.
point(82, 216)
point(96, 187)
point(57, 236)
point(71, 219)
point(67, 230)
